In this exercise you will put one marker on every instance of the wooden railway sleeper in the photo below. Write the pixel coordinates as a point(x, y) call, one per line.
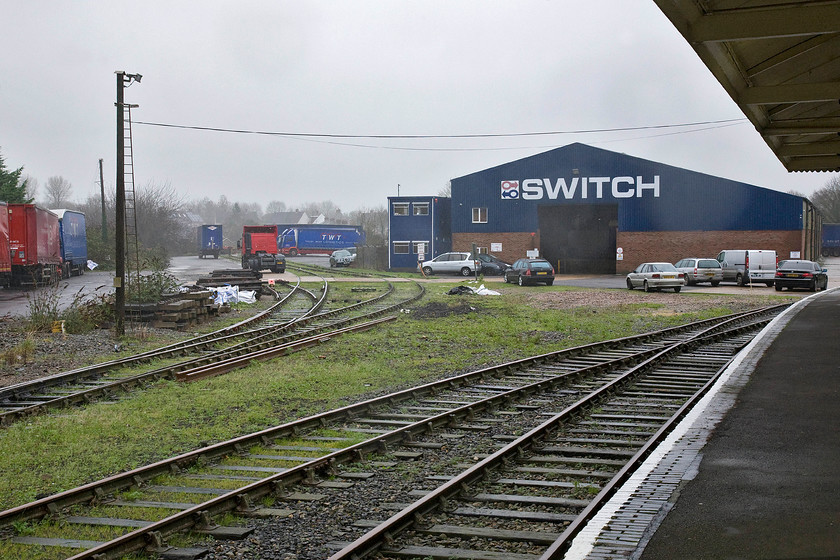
point(98, 497)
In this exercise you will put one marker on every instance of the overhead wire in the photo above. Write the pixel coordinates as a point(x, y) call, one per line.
point(330, 138)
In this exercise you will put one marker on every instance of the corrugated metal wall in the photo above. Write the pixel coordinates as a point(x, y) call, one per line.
point(650, 196)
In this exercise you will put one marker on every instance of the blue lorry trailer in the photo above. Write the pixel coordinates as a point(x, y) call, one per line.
point(73, 242)
point(319, 239)
point(830, 240)
point(209, 240)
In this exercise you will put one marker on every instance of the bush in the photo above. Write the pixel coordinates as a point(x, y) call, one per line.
point(80, 316)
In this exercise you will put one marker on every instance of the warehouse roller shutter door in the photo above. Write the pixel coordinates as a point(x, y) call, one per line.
point(579, 239)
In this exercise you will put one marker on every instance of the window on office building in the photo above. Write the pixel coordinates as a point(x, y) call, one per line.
point(421, 208)
point(401, 209)
point(421, 247)
point(479, 215)
point(401, 247)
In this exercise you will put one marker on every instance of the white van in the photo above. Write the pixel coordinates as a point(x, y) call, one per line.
point(748, 266)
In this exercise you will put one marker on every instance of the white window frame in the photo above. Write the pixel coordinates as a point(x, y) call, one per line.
point(477, 213)
point(416, 249)
point(418, 206)
point(403, 206)
point(401, 244)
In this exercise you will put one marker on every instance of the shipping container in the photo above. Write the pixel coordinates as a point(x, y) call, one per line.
point(830, 240)
point(35, 245)
point(5, 254)
point(73, 242)
point(209, 240)
point(320, 239)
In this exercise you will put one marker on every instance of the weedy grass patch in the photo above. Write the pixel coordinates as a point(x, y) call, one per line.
point(51, 453)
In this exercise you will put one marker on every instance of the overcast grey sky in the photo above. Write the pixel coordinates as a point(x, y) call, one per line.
point(387, 67)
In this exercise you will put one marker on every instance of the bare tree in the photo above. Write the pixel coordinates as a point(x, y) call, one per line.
point(331, 212)
point(446, 191)
point(158, 214)
point(374, 221)
point(31, 186)
point(827, 200)
point(57, 192)
point(275, 207)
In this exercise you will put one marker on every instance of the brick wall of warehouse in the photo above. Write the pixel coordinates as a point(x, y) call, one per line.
point(671, 246)
point(515, 244)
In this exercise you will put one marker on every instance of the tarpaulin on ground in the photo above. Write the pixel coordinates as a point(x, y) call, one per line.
point(232, 294)
point(480, 291)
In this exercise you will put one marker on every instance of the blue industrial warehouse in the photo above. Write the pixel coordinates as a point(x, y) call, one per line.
point(593, 211)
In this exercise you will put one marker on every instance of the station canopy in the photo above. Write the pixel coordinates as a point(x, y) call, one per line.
point(779, 60)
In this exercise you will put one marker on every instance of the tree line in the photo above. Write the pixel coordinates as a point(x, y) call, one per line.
point(166, 220)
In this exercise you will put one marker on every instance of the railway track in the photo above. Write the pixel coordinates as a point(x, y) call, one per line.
point(550, 434)
point(300, 318)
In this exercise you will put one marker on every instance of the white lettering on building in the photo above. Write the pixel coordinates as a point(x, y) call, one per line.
point(580, 187)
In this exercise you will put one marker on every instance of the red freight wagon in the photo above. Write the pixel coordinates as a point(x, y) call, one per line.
point(35, 245)
point(5, 255)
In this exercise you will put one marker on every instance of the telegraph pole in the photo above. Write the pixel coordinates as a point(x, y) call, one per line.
point(102, 195)
point(123, 80)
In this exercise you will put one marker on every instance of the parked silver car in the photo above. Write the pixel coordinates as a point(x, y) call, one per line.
point(341, 257)
point(655, 276)
point(700, 270)
point(451, 263)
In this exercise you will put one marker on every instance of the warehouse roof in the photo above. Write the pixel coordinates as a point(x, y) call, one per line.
point(779, 60)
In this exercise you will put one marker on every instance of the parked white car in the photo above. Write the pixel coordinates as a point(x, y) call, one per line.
point(655, 276)
point(451, 263)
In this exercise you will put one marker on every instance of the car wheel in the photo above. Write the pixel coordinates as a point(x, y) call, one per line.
point(677, 289)
point(629, 284)
point(715, 283)
point(549, 282)
point(427, 270)
point(778, 288)
point(689, 281)
point(769, 284)
point(521, 281)
point(813, 286)
point(466, 271)
point(739, 279)
point(645, 286)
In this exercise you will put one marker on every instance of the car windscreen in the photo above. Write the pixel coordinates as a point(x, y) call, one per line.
point(663, 267)
point(796, 265)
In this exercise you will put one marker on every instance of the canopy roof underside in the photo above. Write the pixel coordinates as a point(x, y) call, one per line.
point(779, 60)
